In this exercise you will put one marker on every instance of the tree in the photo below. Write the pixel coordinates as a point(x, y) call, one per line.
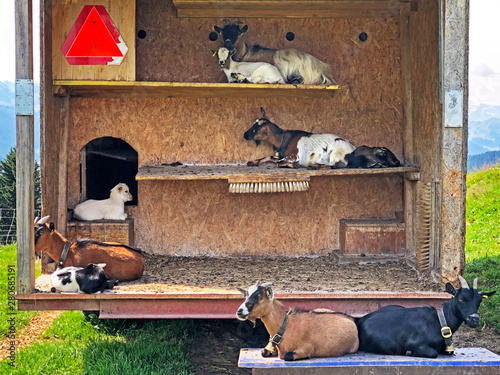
point(8, 195)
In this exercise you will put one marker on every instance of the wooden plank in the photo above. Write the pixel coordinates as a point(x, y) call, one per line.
point(25, 161)
point(62, 203)
point(122, 89)
point(231, 171)
point(465, 361)
point(64, 15)
point(289, 8)
point(454, 169)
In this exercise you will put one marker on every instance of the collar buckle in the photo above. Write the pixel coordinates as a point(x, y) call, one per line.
point(446, 332)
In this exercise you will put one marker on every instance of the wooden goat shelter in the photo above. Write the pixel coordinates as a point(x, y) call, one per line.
point(401, 68)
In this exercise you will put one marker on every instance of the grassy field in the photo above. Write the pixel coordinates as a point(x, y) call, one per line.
point(7, 275)
point(482, 248)
point(75, 344)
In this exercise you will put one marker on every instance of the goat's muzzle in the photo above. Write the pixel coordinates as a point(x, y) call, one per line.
point(472, 320)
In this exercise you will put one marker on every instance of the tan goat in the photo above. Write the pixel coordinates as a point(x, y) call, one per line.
point(299, 334)
point(122, 262)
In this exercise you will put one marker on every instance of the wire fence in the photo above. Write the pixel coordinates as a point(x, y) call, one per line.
point(8, 225)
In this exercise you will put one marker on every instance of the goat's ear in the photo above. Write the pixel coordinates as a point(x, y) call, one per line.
point(218, 29)
point(213, 52)
point(450, 289)
point(262, 113)
point(243, 30)
point(269, 293)
point(233, 51)
point(487, 295)
point(52, 226)
point(242, 291)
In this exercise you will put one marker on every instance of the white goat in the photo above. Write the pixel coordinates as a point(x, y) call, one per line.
point(247, 72)
point(112, 208)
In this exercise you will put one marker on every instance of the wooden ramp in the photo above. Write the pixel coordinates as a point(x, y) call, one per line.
point(464, 361)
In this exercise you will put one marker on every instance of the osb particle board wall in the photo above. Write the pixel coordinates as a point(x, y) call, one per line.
point(194, 218)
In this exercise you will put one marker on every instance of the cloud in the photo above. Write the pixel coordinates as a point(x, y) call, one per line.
point(482, 70)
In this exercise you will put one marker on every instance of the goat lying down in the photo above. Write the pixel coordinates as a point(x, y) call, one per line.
point(296, 67)
point(307, 334)
point(112, 208)
point(372, 157)
point(122, 262)
point(297, 148)
point(246, 72)
point(90, 279)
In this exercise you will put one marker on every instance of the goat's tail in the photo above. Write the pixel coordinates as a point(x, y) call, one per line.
point(294, 63)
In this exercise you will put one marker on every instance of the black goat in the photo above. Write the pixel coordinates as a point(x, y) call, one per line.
point(372, 157)
point(231, 32)
point(395, 330)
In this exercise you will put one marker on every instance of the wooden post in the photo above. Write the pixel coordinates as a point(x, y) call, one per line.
point(24, 152)
point(454, 162)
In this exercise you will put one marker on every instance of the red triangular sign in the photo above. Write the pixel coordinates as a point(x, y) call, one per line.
point(94, 39)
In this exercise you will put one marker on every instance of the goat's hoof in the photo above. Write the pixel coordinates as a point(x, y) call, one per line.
point(52, 290)
point(289, 356)
point(266, 353)
point(252, 164)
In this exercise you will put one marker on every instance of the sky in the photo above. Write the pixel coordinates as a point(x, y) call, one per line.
point(484, 52)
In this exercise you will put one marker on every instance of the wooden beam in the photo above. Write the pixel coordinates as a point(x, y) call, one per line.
point(291, 8)
point(454, 161)
point(62, 203)
point(125, 89)
point(24, 154)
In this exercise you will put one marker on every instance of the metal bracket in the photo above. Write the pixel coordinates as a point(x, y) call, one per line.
point(454, 109)
point(24, 97)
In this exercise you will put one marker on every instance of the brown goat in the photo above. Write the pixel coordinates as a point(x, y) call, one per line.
point(316, 333)
point(122, 262)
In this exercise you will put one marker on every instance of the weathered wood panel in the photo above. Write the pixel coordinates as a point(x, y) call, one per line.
point(64, 15)
point(372, 237)
point(102, 230)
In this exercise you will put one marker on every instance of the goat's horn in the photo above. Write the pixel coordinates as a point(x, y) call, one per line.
point(36, 220)
point(463, 282)
point(474, 285)
point(43, 220)
point(226, 21)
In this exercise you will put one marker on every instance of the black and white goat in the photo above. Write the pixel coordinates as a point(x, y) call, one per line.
point(89, 279)
point(297, 148)
point(246, 72)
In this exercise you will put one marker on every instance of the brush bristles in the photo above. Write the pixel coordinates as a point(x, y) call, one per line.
point(424, 209)
point(268, 187)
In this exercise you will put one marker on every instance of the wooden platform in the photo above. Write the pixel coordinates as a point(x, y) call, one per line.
point(169, 301)
point(236, 171)
point(464, 361)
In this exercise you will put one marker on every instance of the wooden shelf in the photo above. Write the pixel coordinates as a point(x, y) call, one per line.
point(136, 89)
point(240, 171)
point(293, 8)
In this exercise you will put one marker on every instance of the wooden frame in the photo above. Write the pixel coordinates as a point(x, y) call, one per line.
point(434, 149)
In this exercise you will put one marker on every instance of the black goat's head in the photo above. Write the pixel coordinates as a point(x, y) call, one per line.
point(231, 32)
point(466, 301)
point(372, 157)
point(260, 129)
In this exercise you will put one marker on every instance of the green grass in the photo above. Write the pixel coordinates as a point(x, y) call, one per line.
point(76, 345)
point(7, 277)
point(482, 247)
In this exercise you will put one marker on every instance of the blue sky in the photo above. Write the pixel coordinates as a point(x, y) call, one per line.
point(484, 52)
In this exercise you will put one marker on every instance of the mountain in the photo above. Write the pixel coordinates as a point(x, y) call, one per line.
point(8, 118)
point(484, 136)
point(476, 162)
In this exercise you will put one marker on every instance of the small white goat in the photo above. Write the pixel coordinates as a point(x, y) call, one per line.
point(246, 72)
point(112, 208)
